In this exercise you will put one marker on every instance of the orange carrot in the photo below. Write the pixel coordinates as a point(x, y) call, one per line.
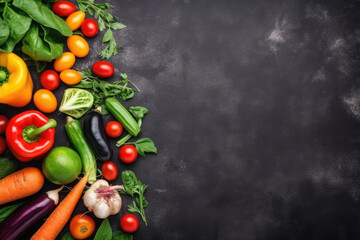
point(20, 184)
point(60, 216)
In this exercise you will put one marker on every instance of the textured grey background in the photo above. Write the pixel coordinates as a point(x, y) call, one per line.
point(254, 106)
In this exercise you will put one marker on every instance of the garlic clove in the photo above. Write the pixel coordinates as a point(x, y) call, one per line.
point(101, 210)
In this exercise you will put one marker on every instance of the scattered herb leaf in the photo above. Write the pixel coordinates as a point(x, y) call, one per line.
point(144, 145)
point(104, 232)
point(133, 186)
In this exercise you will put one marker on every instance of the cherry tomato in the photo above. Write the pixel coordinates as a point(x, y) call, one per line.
point(3, 123)
point(50, 79)
point(78, 46)
point(113, 129)
point(109, 171)
point(81, 226)
point(128, 153)
point(129, 223)
point(66, 61)
point(45, 101)
point(89, 27)
point(63, 8)
point(103, 69)
point(3, 145)
point(70, 77)
point(75, 20)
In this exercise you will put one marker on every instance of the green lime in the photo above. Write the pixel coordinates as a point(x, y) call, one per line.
point(62, 165)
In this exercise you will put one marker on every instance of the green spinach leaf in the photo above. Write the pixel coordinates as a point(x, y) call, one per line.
point(144, 145)
point(18, 24)
point(120, 235)
point(4, 33)
point(38, 48)
point(43, 15)
point(104, 232)
point(68, 236)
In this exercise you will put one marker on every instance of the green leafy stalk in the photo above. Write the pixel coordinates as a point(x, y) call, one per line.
point(106, 21)
point(103, 90)
point(133, 186)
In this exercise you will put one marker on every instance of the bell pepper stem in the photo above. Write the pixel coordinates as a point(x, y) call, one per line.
point(31, 134)
point(3, 76)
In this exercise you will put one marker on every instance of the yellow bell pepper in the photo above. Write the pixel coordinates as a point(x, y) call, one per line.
point(16, 85)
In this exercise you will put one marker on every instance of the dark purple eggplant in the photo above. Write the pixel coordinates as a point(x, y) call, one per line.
point(28, 214)
point(94, 132)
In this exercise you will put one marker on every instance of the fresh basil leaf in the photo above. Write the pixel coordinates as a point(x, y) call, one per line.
point(6, 211)
point(39, 50)
point(104, 232)
point(68, 236)
point(129, 181)
point(120, 235)
point(145, 145)
point(7, 167)
point(4, 33)
point(117, 25)
point(43, 15)
point(138, 112)
point(107, 36)
point(18, 24)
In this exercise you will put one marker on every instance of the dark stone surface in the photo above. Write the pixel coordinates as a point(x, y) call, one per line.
point(254, 107)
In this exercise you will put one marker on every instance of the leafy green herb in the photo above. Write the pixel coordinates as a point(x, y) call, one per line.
point(120, 235)
point(104, 232)
point(7, 167)
point(43, 15)
point(103, 90)
point(144, 145)
point(133, 186)
point(106, 21)
point(6, 211)
point(68, 236)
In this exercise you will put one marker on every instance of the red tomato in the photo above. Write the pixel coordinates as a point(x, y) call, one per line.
point(109, 171)
point(3, 123)
point(82, 226)
point(3, 145)
point(89, 27)
point(63, 8)
point(103, 69)
point(128, 153)
point(113, 129)
point(50, 79)
point(129, 223)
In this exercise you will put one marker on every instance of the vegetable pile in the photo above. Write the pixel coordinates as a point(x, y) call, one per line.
point(34, 32)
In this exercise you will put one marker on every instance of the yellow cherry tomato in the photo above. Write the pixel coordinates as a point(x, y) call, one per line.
point(75, 20)
point(78, 46)
point(45, 101)
point(66, 61)
point(70, 77)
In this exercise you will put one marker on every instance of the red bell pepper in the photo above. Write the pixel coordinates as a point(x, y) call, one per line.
point(30, 135)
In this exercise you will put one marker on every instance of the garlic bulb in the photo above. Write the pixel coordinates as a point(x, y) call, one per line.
point(103, 200)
